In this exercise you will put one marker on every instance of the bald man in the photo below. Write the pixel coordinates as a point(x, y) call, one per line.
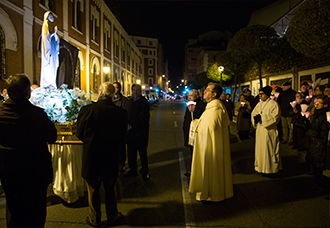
point(102, 127)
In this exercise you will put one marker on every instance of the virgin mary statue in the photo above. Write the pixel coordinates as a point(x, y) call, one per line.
point(49, 52)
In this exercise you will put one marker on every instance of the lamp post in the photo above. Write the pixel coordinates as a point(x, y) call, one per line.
point(221, 68)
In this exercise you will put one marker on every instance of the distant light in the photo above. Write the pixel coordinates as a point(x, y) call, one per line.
point(106, 69)
point(163, 75)
point(221, 68)
point(143, 87)
point(156, 90)
point(138, 81)
point(150, 87)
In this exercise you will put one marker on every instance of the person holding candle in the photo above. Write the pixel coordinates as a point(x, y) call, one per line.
point(193, 111)
point(318, 132)
point(299, 122)
point(243, 108)
point(284, 99)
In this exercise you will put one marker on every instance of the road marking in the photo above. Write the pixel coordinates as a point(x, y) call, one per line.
point(175, 124)
point(188, 210)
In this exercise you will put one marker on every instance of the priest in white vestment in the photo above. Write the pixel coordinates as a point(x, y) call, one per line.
point(264, 118)
point(211, 173)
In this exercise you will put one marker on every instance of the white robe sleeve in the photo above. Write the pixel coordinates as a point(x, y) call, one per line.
point(270, 114)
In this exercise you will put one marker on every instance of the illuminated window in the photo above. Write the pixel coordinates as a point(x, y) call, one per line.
point(94, 78)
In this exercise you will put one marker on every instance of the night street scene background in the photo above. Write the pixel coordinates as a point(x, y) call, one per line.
point(170, 48)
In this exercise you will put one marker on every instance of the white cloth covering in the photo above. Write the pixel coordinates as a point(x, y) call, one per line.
point(211, 174)
point(67, 163)
point(267, 155)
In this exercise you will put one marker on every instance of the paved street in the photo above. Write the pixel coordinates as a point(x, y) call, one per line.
point(163, 201)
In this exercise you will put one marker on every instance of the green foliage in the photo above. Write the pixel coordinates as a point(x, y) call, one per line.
point(255, 43)
point(309, 29)
point(201, 80)
point(214, 74)
point(236, 68)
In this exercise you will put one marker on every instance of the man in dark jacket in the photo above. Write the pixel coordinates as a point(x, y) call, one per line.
point(120, 100)
point(25, 162)
point(138, 132)
point(195, 113)
point(288, 95)
point(102, 127)
point(228, 105)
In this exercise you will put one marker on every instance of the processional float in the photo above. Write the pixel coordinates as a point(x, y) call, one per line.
point(62, 103)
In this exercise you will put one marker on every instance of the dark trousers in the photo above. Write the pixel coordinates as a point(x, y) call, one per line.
point(26, 205)
point(132, 157)
point(298, 135)
point(122, 159)
point(94, 201)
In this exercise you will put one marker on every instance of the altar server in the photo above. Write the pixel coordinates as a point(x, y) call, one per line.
point(264, 118)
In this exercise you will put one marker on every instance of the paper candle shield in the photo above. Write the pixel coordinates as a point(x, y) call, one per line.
point(303, 107)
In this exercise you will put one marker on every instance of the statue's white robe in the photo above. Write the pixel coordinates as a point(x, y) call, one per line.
point(211, 173)
point(267, 156)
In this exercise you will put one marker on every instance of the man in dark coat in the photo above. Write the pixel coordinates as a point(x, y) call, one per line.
point(195, 113)
point(25, 162)
point(102, 127)
point(288, 95)
point(228, 105)
point(138, 132)
point(120, 100)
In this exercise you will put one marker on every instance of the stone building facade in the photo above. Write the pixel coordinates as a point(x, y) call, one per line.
point(106, 51)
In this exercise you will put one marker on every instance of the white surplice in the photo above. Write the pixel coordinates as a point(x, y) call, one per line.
point(267, 156)
point(211, 174)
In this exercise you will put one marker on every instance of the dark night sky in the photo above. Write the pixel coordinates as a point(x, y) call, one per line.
point(174, 22)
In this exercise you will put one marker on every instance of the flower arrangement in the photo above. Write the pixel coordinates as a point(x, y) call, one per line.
point(62, 105)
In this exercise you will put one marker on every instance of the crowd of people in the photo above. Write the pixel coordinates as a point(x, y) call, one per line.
point(104, 127)
point(300, 119)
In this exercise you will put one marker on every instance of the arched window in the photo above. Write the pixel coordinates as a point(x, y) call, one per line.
point(2, 54)
point(94, 78)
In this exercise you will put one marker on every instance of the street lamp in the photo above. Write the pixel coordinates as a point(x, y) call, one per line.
point(106, 70)
point(138, 81)
point(221, 68)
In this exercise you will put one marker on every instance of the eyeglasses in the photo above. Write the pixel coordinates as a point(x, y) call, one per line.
point(208, 90)
point(317, 102)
